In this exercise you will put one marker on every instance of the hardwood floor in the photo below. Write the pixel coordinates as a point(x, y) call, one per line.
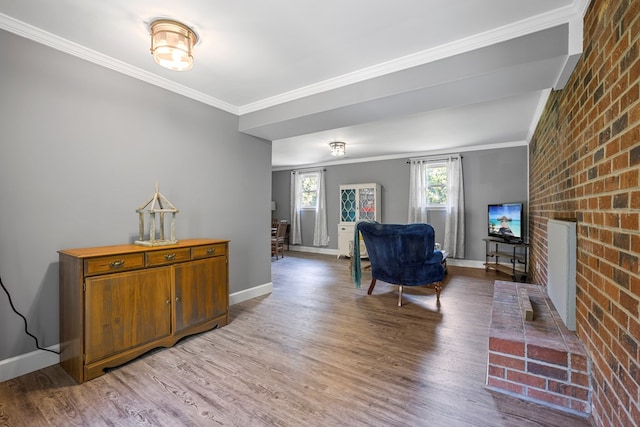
point(316, 352)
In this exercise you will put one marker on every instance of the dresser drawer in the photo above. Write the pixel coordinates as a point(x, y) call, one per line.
point(168, 256)
point(113, 263)
point(208, 251)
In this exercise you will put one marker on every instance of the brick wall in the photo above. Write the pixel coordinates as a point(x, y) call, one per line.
point(584, 165)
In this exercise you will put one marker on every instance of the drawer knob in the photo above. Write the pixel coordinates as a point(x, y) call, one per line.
point(177, 299)
point(117, 263)
point(211, 251)
point(170, 257)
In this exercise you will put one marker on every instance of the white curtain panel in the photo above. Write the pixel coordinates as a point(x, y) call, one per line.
point(296, 184)
point(417, 192)
point(454, 219)
point(320, 233)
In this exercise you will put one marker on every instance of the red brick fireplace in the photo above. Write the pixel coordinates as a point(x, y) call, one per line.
point(538, 360)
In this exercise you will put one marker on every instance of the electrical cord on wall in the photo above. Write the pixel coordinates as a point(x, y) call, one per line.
point(25, 321)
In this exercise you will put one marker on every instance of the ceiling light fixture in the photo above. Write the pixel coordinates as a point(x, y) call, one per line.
point(172, 44)
point(337, 148)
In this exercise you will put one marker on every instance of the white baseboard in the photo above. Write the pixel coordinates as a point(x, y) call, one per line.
point(465, 263)
point(450, 261)
point(29, 362)
point(314, 250)
point(39, 359)
point(248, 294)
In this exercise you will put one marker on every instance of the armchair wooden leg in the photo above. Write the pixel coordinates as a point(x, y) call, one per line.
point(438, 287)
point(399, 295)
point(371, 286)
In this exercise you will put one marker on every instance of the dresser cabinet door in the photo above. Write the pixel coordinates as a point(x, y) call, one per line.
point(200, 291)
point(125, 310)
point(345, 237)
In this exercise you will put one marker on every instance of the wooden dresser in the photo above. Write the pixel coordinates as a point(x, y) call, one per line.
point(118, 302)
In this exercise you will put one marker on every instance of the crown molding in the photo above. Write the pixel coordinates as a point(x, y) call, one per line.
point(542, 102)
point(581, 7)
point(567, 14)
point(564, 15)
point(43, 37)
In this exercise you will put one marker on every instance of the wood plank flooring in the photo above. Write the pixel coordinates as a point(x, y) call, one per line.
point(316, 352)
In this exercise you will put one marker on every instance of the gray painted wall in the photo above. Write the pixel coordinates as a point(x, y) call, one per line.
point(82, 147)
point(490, 176)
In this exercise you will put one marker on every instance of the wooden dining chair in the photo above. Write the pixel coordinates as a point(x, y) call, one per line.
point(277, 241)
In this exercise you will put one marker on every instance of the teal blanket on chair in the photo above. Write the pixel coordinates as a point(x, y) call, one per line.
point(356, 267)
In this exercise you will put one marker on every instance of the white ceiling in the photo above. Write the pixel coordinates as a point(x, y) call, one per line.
point(392, 79)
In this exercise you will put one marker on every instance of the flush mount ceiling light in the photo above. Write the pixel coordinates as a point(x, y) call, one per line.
point(337, 148)
point(172, 44)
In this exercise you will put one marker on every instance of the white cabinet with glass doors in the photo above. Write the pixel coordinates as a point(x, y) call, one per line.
point(357, 202)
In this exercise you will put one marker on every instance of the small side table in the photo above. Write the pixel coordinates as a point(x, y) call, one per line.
point(444, 260)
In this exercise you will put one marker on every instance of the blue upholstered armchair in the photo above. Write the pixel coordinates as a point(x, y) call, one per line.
point(401, 255)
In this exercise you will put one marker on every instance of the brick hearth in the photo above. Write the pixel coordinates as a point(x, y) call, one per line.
point(539, 360)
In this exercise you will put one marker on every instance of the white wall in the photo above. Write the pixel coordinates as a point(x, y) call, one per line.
point(490, 176)
point(82, 147)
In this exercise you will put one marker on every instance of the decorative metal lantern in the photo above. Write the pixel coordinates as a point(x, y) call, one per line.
point(157, 205)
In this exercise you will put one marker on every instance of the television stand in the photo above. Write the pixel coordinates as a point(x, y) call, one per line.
point(508, 257)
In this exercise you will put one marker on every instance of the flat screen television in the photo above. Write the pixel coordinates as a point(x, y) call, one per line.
point(506, 221)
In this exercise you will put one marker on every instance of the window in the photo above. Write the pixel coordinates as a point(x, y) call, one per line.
point(436, 180)
point(309, 191)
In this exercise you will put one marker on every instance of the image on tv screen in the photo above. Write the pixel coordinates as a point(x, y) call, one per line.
point(505, 221)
